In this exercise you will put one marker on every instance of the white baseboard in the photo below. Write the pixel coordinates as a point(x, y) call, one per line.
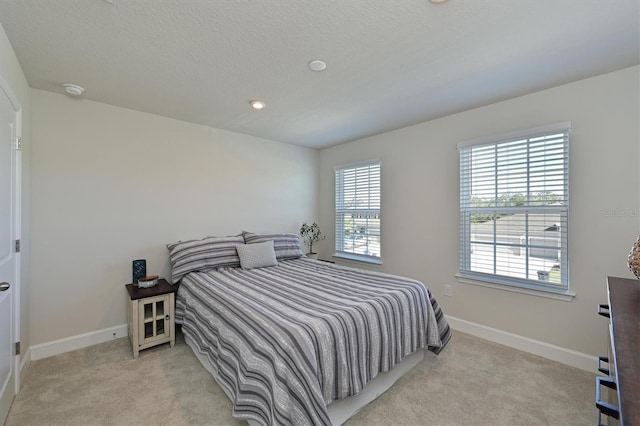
point(44, 350)
point(525, 344)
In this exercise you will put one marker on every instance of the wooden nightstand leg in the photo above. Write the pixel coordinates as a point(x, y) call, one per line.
point(135, 329)
point(172, 320)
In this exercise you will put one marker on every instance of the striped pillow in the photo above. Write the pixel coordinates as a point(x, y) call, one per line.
point(286, 246)
point(201, 255)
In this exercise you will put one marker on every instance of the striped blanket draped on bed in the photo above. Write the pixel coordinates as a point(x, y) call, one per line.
point(287, 340)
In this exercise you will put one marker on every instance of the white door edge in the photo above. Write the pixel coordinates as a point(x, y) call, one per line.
point(17, 107)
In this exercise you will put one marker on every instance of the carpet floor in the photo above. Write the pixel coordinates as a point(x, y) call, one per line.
point(472, 382)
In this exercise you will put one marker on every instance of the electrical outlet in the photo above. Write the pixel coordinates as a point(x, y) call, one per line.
point(448, 290)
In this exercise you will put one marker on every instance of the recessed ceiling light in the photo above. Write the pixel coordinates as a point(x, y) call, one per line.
point(438, 1)
point(257, 104)
point(317, 65)
point(73, 89)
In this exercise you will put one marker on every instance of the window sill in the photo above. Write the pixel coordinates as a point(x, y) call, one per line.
point(549, 294)
point(357, 258)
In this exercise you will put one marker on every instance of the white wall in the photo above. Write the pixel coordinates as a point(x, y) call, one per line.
point(110, 185)
point(12, 74)
point(420, 184)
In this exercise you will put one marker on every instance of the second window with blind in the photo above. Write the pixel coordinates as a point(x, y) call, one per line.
point(357, 210)
point(514, 205)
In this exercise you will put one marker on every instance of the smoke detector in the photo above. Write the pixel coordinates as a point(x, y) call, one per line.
point(317, 65)
point(73, 89)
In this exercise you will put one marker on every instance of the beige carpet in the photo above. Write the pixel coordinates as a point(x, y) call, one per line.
point(472, 382)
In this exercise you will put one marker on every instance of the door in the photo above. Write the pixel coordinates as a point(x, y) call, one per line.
point(9, 260)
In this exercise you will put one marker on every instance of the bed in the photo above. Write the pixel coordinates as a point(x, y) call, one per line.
point(290, 341)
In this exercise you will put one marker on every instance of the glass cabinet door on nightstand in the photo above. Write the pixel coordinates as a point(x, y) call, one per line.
point(154, 319)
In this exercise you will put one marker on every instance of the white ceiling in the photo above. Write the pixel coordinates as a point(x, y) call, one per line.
point(391, 63)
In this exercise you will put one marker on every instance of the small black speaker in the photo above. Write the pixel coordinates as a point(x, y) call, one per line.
point(139, 269)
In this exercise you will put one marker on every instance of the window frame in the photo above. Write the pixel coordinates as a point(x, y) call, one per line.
point(339, 227)
point(526, 285)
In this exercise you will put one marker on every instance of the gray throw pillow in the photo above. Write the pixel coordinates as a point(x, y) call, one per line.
point(257, 255)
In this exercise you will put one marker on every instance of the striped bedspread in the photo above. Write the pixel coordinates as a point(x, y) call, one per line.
point(285, 341)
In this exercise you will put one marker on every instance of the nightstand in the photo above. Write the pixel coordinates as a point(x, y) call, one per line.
point(150, 316)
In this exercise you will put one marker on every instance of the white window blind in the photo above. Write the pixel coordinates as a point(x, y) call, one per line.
point(514, 203)
point(358, 211)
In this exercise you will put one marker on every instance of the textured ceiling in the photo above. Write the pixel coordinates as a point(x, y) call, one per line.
point(391, 63)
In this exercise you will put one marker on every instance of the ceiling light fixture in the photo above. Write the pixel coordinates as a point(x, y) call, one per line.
point(257, 104)
point(317, 65)
point(73, 89)
point(438, 1)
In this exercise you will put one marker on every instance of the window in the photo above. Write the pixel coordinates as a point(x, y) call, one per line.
point(514, 203)
point(358, 212)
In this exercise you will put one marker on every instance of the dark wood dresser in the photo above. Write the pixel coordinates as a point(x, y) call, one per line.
point(623, 374)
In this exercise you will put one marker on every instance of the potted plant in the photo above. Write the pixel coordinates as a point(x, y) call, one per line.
point(311, 234)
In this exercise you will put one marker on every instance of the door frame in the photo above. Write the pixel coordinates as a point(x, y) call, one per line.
point(16, 285)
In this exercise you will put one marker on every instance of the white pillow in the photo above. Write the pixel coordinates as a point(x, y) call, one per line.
point(257, 255)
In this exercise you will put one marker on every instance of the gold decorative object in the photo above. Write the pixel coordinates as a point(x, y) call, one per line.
point(634, 259)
